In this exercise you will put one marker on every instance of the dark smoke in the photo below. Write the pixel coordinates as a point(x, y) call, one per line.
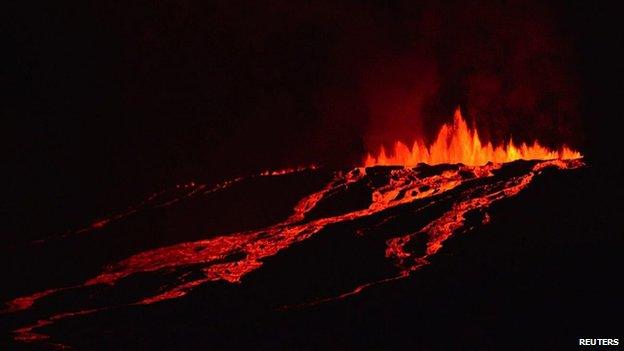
point(508, 65)
point(512, 70)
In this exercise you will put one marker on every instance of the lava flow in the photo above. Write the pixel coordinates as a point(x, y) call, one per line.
point(444, 195)
point(457, 143)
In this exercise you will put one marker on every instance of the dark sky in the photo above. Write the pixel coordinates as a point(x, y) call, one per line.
point(109, 100)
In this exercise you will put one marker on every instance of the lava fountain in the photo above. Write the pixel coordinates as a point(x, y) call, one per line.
point(458, 143)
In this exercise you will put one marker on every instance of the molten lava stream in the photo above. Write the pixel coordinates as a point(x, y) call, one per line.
point(457, 143)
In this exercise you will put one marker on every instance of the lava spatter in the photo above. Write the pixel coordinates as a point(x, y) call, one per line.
point(230, 257)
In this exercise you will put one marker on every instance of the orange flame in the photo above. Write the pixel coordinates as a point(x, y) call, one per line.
point(457, 143)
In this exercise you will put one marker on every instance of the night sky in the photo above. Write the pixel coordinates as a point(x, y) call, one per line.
point(108, 101)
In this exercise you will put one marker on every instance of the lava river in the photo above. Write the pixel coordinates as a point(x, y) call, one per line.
point(458, 190)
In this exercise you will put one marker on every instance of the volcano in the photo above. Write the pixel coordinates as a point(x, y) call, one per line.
point(236, 264)
point(296, 175)
point(435, 246)
point(288, 258)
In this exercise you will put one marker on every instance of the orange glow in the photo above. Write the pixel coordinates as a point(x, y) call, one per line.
point(230, 257)
point(457, 143)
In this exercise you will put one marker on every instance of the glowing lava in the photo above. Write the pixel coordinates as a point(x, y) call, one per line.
point(457, 143)
point(229, 257)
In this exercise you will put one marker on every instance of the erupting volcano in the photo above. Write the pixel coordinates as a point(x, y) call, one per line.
point(457, 143)
point(291, 175)
point(400, 216)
